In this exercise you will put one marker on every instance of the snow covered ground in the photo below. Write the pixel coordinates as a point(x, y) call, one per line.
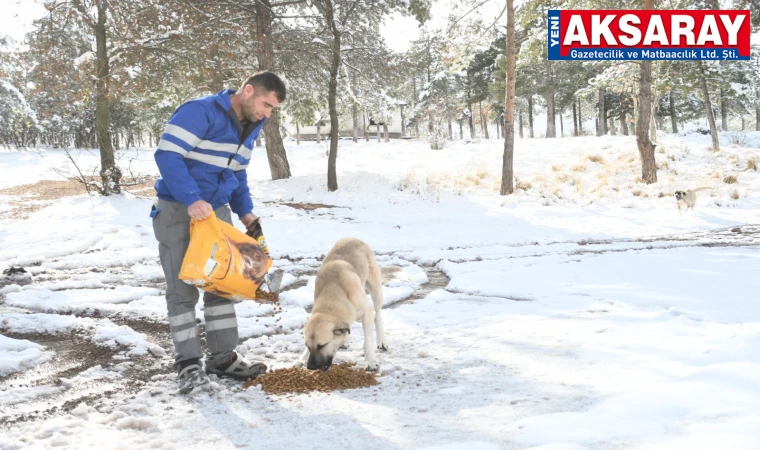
point(583, 312)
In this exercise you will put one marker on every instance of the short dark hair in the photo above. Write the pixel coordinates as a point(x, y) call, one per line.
point(264, 82)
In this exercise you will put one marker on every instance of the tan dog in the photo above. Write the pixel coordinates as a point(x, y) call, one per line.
point(688, 198)
point(340, 300)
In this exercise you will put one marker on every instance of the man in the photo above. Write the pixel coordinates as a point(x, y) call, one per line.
point(202, 157)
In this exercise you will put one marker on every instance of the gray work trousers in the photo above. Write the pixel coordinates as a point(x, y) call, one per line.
point(171, 226)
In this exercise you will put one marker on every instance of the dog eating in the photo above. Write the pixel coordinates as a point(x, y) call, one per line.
point(340, 299)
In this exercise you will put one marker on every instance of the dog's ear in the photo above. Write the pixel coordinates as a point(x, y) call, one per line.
point(342, 328)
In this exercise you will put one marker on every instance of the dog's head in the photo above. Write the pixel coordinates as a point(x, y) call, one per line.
point(323, 336)
point(680, 194)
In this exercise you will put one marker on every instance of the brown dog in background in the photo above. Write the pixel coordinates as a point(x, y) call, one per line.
point(687, 199)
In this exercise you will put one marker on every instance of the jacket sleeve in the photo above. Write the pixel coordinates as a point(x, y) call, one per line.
point(240, 201)
point(189, 124)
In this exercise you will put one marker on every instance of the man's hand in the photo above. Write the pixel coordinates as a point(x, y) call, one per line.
point(200, 210)
point(249, 219)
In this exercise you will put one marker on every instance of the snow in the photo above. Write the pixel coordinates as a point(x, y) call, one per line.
point(20, 354)
point(111, 335)
point(43, 323)
point(582, 312)
point(77, 299)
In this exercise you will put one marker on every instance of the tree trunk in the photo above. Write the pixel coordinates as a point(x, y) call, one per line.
point(507, 174)
point(551, 126)
point(561, 126)
point(332, 98)
point(483, 121)
point(217, 79)
point(520, 119)
point(110, 175)
point(757, 118)
point(279, 168)
point(469, 107)
point(461, 131)
point(530, 115)
point(385, 132)
point(403, 120)
point(416, 121)
point(673, 124)
point(623, 124)
point(708, 107)
point(298, 134)
point(580, 119)
point(575, 120)
point(646, 148)
point(611, 127)
point(377, 127)
point(602, 122)
point(366, 130)
point(723, 111)
point(355, 131)
point(319, 132)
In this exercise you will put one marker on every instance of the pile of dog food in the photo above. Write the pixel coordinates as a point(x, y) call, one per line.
point(264, 296)
point(289, 380)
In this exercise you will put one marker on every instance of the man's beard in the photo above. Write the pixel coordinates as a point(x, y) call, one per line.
point(251, 115)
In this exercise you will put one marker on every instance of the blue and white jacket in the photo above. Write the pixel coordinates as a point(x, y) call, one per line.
point(204, 152)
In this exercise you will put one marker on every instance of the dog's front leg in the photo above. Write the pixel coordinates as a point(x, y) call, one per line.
point(304, 358)
point(369, 344)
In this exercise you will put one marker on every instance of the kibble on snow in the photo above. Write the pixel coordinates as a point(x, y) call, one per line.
point(338, 377)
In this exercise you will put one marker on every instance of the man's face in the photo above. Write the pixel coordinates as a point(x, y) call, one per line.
point(258, 105)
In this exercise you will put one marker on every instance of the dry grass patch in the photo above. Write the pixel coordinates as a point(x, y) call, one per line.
point(578, 168)
point(562, 177)
point(46, 189)
point(556, 168)
point(30, 198)
point(468, 180)
point(410, 179)
point(522, 185)
point(734, 194)
point(752, 164)
point(599, 159)
point(730, 179)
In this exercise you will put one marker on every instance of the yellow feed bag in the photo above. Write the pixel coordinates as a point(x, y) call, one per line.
point(223, 260)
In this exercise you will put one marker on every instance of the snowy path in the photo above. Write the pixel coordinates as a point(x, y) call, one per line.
point(577, 314)
point(467, 364)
